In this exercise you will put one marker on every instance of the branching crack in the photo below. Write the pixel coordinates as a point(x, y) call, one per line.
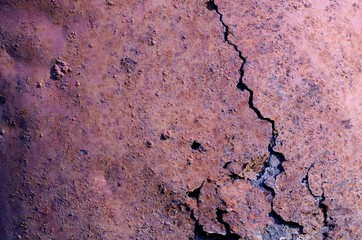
point(199, 232)
point(320, 199)
point(211, 5)
point(195, 193)
point(229, 235)
point(277, 218)
point(241, 85)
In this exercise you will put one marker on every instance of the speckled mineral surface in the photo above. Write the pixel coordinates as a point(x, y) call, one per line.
point(150, 119)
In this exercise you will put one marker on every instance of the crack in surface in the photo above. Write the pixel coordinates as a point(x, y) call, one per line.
point(200, 233)
point(305, 180)
point(211, 5)
point(327, 227)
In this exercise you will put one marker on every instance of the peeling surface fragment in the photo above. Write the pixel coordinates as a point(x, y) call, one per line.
point(247, 208)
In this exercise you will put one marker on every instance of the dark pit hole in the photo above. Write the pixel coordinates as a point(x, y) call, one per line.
point(83, 152)
point(210, 5)
point(198, 146)
point(164, 137)
point(2, 100)
point(195, 145)
point(148, 144)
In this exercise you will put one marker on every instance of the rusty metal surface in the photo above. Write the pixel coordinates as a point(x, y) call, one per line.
point(180, 120)
point(307, 56)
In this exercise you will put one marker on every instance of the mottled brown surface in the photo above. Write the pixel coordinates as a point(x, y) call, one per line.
point(307, 55)
point(123, 120)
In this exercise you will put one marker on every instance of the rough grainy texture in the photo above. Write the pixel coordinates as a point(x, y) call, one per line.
point(304, 66)
point(180, 120)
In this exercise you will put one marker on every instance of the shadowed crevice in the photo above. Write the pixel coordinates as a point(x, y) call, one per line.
point(212, 6)
point(327, 227)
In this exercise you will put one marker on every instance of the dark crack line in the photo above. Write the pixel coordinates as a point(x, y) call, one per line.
point(327, 227)
point(211, 5)
point(241, 85)
point(199, 232)
point(277, 218)
point(196, 192)
point(229, 235)
point(305, 180)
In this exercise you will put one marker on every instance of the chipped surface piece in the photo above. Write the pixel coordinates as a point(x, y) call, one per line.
point(246, 208)
point(309, 206)
point(208, 204)
point(230, 208)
